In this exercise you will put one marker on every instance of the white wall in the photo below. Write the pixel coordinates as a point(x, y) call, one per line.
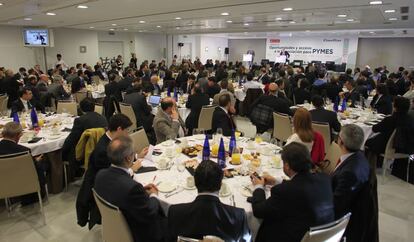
point(209, 48)
point(392, 52)
point(238, 47)
point(150, 47)
point(126, 38)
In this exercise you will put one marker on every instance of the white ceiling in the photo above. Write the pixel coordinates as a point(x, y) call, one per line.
point(204, 16)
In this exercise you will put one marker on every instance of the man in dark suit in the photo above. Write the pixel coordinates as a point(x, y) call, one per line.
point(138, 203)
point(25, 103)
point(188, 86)
point(195, 102)
point(382, 101)
point(352, 93)
point(263, 77)
point(112, 88)
point(206, 215)
point(213, 88)
point(294, 206)
point(153, 86)
point(9, 145)
point(11, 85)
point(141, 108)
point(90, 119)
point(127, 81)
point(320, 114)
point(354, 187)
point(275, 100)
point(221, 116)
point(182, 76)
point(78, 82)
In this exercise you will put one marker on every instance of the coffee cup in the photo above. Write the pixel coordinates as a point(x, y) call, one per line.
point(169, 152)
point(266, 151)
point(190, 182)
point(163, 163)
point(184, 143)
point(250, 145)
point(224, 189)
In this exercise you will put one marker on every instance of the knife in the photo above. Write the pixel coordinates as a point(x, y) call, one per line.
point(173, 193)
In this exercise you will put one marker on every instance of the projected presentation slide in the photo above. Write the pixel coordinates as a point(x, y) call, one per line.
point(36, 37)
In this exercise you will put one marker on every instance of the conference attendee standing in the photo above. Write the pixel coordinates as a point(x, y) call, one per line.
point(382, 101)
point(320, 114)
point(295, 205)
point(167, 121)
point(207, 215)
point(354, 187)
point(11, 86)
point(222, 117)
point(138, 203)
point(134, 60)
point(61, 62)
point(141, 108)
point(195, 102)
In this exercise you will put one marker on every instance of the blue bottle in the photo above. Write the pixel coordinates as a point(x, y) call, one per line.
point(343, 107)
point(175, 94)
point(336, 104)
point(168, 92)
point(16, 117)
point(221, 157)
point(232, 143)
point(206, 150)
point(33, 117)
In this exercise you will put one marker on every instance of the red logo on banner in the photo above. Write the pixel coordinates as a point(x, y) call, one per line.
point(274, 41)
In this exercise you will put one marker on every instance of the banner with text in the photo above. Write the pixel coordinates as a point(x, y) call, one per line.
point(338, 49)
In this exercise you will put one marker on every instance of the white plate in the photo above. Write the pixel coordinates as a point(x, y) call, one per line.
point(169, 165)
point(199, 137)
point(53, 137)
point(188, 188)
point(245, 192)
point(225, 194)
point(166, 187)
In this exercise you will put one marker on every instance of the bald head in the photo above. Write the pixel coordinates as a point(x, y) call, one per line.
point(120, 150)
point(273, 87)
point(167, 104)
point(44, 77)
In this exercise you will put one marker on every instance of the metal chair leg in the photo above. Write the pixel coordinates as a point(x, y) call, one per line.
point(41, 207)
point(8, 206)
point(66, 176)
point(408, 169)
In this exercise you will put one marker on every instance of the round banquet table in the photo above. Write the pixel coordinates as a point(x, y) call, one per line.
point(50, 144)
point(236, 183)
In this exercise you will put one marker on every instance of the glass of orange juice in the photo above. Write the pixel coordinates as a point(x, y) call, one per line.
point(258, 139)
point(235, 157)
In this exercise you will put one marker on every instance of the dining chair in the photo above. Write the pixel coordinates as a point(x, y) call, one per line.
point(331, 232)
point(67, 107)
point(79, 96)
point(390, 155)
point(19, 170)
point(140, 139)
point(3, 104)
point(114, 225)
point(333, 153)
point(206, 117)
point(325, 130)
point(129, 112)
point(99, 109)
point(282, 127)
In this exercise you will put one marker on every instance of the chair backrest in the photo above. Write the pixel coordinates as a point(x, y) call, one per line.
point(3, 103)
point(282, 127)
point(67, 107)
point(129, 111)
point(251, 95)
point(206, 117)
point(389, 148)
point(331, 232)
point(325, 130)
point(114, 225)
point(333, 153)
point(140, 140)
point(99, 109)
point(18, 175)
point(79, 96)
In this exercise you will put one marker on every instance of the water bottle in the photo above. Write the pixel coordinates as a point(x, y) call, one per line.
point(362, 99)
point(221, 157)
point(168, 92)
point(232, 143)
point(175, 94)
point(16, 117)
point(33, 117)
point(206, 150)
point(343, 106)
point(336, 103)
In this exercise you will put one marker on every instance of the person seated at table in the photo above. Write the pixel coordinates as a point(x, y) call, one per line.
point(224, 85)
point(333, 88)
point(399, 121)
point(86, 209)
point(295, 205)
point(207, 215)
point(304, 134)
point(167, 121)
point(141, 108)
point(152, 87)
point(79, 82)
point(213, 88)
point(354, 187)
point(125, 83)
point(302, 93)
point(168, 81)
point(222, 117)
point(320, 114)
point(352, 94)
point(90, 119)
point(410, 92)
point(382, 101)
point(250, 83)
point(264, 77)
point(188, 86)
point(9, 145)
point(57, 90)
point(138, 203)
point(195, 102)
point(25, 102)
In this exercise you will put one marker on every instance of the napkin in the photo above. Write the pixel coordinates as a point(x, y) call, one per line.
point(149, 154)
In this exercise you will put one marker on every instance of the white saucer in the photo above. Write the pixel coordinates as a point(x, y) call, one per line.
point(169, 165)
point(245, 192)
point(188, 188)
point(166, 187)
point(225, 194)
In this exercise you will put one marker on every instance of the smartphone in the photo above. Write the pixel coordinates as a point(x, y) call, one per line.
point(256, 175)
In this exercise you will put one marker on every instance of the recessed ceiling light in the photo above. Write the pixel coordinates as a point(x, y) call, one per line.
point(142, 22)
point(225, 14)
point(27, 19)
point(82, 6)
point(229, 21)
point(372, 32)
point(177, 18)
point(308, 31)
point(287, 9)
point(177, 27)
point(246, 24)
point(375, 2)
point(140, 31)
point(158, 26)
point(389, 11)
point(342, 15)
point(278, 18)
point(91, 27)
point(111, 29)
point(51, 14)
point(246, 32)
point(350, 20)
point(125, 29)
point(113, 24)
point(208, 26)
point(392, 19)
point(1, 4)
point(292, 22)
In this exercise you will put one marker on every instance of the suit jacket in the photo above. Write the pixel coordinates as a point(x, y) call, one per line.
point(186, 88)
point(112, 88)
point(293, 207)
point(153, 89)
point(222, 120)
point(165, 127)
point(182, 78)
point(17, 106)
point(143, 213)
point(125, 83)
point(326, 116)
point(206, 215)
point(77, 84)
point(353, 96)
point(87, 121)
point(141, 109)
point(383, 105)
point(332, 91)
point(278, 104)
point(195, 103)
point(213, 90)
point(302, 95)
point(264, 79)
point(12, 87)
point(354, 192)
point(57, 91)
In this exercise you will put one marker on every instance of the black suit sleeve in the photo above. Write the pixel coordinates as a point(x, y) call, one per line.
point(345, 187)
point(74, 136)
point(271, 208)
point(188, 104)
point(382, 126)
point(140, 206)
point(335, 123)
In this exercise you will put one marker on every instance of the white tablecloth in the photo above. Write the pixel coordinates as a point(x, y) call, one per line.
point(235, 184)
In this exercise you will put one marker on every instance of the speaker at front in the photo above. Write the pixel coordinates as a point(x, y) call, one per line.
point(226, 50)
